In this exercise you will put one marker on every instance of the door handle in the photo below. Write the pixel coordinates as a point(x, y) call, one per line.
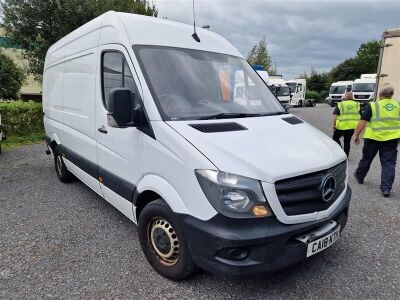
point(102, 129)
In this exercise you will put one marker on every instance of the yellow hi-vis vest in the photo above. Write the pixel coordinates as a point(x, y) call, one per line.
point(349, 115)
point(385, 121)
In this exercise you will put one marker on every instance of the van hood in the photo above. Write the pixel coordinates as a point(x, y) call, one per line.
point(269, 149)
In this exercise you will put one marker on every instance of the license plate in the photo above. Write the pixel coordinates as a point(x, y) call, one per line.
point(323, 243)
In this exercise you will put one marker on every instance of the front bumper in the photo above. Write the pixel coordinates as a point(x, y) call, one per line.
point(246, 247)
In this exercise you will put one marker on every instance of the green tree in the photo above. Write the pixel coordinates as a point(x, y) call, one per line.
point(259, 55)
point(365, 61)
point(318, 82)
point(35, 25)
point(11, 78)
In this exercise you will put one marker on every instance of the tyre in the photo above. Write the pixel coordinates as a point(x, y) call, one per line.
point(62, 172)
point(163, 242)
point(300, 104)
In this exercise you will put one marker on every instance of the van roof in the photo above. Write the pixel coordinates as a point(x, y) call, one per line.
point(342, 83)
point(133, 29)
point(365, 80)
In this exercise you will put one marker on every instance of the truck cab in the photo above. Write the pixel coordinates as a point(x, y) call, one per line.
point(363, 88)
point(281, 90)
point(297, 89)
point(337, 91)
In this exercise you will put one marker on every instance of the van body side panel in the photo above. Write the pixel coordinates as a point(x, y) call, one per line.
point(173, 159)
point(53, 104)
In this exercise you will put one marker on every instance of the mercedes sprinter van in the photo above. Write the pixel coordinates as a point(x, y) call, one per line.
point(144, 114)
point(337, 91)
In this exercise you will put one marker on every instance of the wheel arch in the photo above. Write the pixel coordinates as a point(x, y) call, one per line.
point(153, 187)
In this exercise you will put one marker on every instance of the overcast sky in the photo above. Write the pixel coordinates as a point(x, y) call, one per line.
point(300, 34)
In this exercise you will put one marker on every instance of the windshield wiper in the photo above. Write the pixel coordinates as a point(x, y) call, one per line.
point(239, 115)
point(227, 116)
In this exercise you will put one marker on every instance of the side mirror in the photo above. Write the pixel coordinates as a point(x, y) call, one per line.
point(121, 107)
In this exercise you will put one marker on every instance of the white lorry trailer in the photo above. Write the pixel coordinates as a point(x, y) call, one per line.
point(145, 115)
point(297, 89)
point(389, 62)
point(337, 91)
point(363, 88)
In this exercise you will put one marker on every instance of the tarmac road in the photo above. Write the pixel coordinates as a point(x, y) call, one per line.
point(63, 241)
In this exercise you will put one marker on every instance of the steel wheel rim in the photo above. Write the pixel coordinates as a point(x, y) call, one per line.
point(164, 242)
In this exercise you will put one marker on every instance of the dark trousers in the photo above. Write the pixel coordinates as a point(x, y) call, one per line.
point(346, 134)
point(387, 155)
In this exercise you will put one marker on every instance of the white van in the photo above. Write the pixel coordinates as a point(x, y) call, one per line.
point(297, 89)
point(363, 88)
point(337, 91)
point(145, 116)
point(279, 87)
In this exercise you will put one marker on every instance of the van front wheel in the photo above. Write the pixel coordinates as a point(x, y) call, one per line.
point(163, 242)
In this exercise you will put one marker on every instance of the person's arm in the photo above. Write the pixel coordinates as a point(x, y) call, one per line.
point(360, 127)
point(336, 113)
point(365, 118)
point(334, 121)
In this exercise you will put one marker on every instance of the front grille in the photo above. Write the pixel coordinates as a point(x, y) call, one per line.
point(336, 97)
point(303, 194)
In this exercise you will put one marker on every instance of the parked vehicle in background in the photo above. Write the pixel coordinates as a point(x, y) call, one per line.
point(264, 75)
point(363, 88)
point(389, 62)
point(150, 119)
point(279, 87)
point(337, 90)
point(297, 89)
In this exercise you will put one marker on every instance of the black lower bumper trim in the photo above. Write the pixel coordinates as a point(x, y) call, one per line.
point(247, 247)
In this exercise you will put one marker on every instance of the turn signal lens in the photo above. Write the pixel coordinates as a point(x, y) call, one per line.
point(261, 211)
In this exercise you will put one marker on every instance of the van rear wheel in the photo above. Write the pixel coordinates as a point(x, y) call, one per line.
point(163, 242)
point(62, 172)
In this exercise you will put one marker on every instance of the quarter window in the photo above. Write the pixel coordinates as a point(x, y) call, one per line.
point(116, 74)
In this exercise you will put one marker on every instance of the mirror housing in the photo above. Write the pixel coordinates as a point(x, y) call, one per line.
point(124, 109)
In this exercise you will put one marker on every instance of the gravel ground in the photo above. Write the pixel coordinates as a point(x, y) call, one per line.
point(63, 241)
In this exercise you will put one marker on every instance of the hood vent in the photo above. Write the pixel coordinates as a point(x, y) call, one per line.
point(292, 120)
point(218, 127)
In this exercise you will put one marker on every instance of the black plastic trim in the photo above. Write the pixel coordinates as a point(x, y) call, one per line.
point(115, 183)
point(264, 245)
point(78, 160)
point(293, 120)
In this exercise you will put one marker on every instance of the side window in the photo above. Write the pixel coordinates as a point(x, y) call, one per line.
point(116, 74)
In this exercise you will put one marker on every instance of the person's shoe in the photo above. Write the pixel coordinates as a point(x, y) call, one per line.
point(386, 194)
point(359, 181)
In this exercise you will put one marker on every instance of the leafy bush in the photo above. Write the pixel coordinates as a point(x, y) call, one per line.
point(22, 120)
point(313, 95)
point(11, 78)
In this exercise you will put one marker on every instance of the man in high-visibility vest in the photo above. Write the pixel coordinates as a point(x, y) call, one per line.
point(381, 121)
point(345, 118)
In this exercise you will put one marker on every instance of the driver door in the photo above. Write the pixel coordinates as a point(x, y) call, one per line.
point(119, 150)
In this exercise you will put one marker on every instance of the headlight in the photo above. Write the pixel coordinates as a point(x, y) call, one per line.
point(233, 195)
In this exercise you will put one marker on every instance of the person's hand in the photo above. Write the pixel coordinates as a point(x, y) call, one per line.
point(356, 139)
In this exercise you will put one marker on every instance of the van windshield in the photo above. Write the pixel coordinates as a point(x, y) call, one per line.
point(363, 87)
point(191, 84)
point(338, 89)
point(282, 91)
